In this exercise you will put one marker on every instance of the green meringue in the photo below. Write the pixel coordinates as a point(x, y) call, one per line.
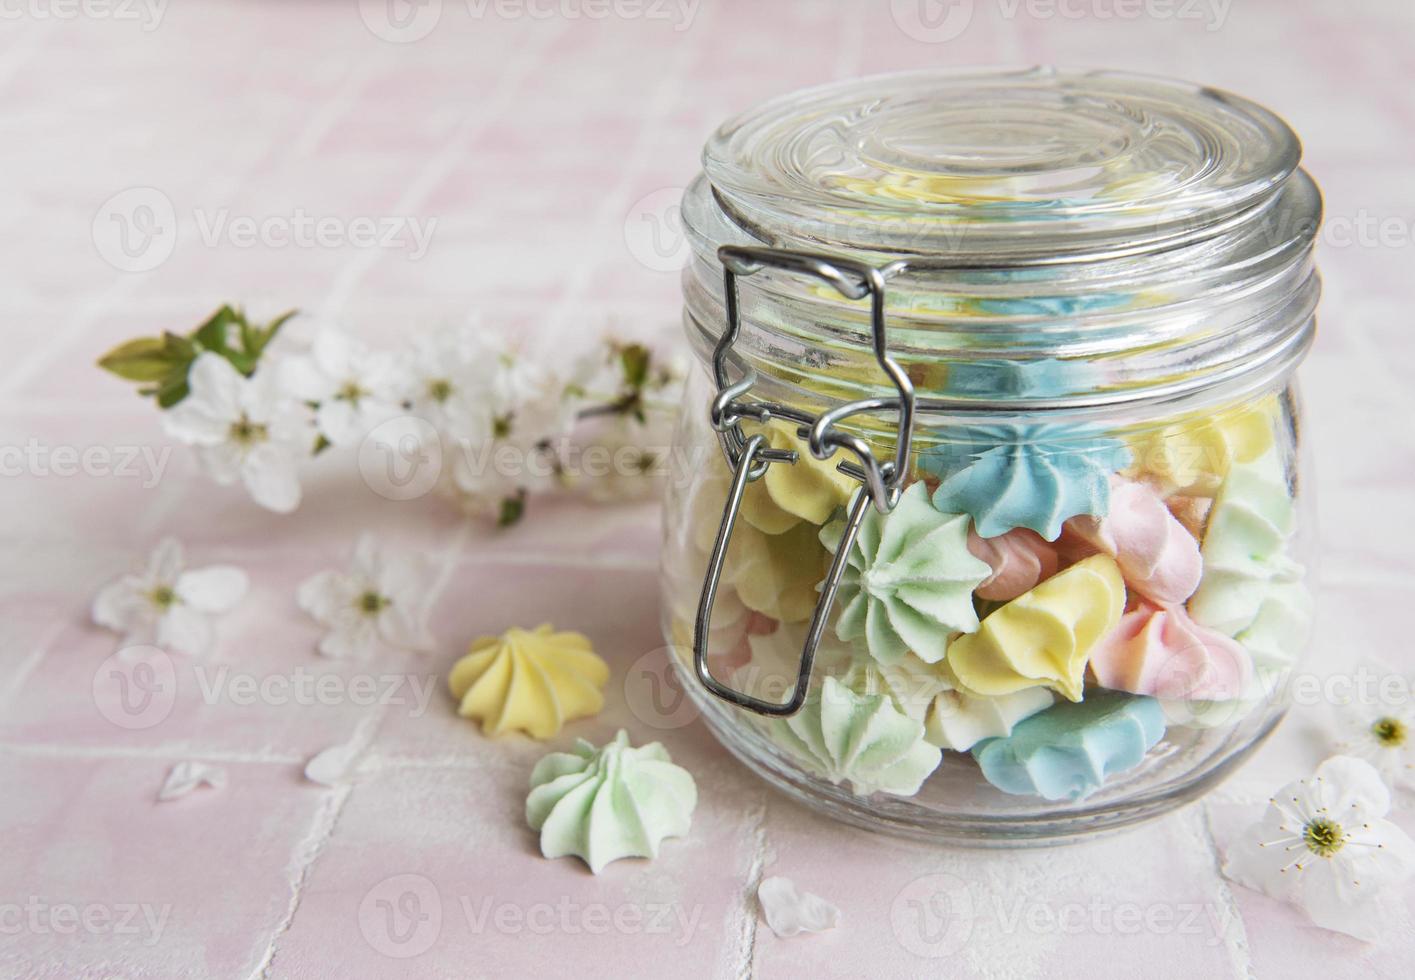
point(864, 740)
point(1245, 548)
point(605, 804)
point(909, 580)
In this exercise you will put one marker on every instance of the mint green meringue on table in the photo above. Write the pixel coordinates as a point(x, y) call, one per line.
point(910, 580)
point(1033, 476)
point(609, 803)
point(1068, 751)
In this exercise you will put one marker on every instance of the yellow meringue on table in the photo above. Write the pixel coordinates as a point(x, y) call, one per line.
point(531, 681)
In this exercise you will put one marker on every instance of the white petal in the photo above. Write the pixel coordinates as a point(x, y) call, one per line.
point(303, 379)
point(184, 630)
point(368, 559)
point(167, 561)
point(339, 422)
point(358, 643)
point(790, 911)
point(215, 589)
point(204, 417)
point(187, 776)
point(270, 477)
point(121, 605)
point(332, 766)
point(222, 462)
point(1349, 781)
point(323, 595)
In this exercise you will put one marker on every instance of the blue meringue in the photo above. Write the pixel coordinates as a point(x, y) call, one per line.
point(1069, 750)
point(1033, 476)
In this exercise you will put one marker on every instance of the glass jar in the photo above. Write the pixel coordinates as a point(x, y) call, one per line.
point(993, 525)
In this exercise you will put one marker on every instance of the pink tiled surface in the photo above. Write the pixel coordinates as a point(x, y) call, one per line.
point(530, 141)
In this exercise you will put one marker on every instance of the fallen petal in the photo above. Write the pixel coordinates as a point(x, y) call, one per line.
point(789, 911)
point(187, 776)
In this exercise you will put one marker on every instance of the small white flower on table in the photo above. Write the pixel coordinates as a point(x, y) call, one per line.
point(167, 604)
point(447, 380)
point(247, 429)
point(1384, 736)
point(382, 600)
point(355, 388)
point(1324, 846)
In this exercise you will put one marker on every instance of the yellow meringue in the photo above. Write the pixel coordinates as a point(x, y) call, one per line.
point(806, 490)
point(1043, 637)
point(529, 680)
point(1194, 453)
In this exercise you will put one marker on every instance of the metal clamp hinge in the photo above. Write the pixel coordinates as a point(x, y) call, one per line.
point(750, 457)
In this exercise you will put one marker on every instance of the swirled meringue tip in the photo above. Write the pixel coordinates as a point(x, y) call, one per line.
point(1157, 555)
point(1034, 476)
point(1044, 636)
point(1068, 751)
point(807, 490)
point(531, 681)
point(1019, 560)
point(1159, 651)
point(614, 802)
point(865, 741)
point(909, 580)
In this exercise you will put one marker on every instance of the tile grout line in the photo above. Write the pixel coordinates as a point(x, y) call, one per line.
point(614, 201)
point(745, 962)
point(496, 104)
point(1235, 932)
point(322, 829)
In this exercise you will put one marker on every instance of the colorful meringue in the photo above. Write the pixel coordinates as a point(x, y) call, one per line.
point(1245, 548)
point(807, 490)
point(529, 680)
point(1044, 636)
point(959, 719)
point(1159, 651)
point(1033, 476)
point(610, 803)
point(910, 579)
point(776, 575)
point(1068, 751)
point(1019, 560)
point(1194, 453)
point(863, 740)
point(1157, 556)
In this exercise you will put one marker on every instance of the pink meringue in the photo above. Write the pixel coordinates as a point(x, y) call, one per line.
point(1160, 651)
point(1157, 556)
point(1019, 560)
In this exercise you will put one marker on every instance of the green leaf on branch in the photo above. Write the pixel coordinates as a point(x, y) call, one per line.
point(635, 360)
point(144, 359)
point(512, 509)
point(161, 364)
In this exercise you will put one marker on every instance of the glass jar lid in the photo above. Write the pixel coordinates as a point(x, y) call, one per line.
point(1005, 165)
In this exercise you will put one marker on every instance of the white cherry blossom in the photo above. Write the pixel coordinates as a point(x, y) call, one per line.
point(1325, 846)
point(167, 605)
point(1384, 736)
point(356, 388)
point(382, 600)
point(246, 429)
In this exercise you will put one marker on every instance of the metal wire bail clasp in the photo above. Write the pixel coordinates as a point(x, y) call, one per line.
point(750, 458)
